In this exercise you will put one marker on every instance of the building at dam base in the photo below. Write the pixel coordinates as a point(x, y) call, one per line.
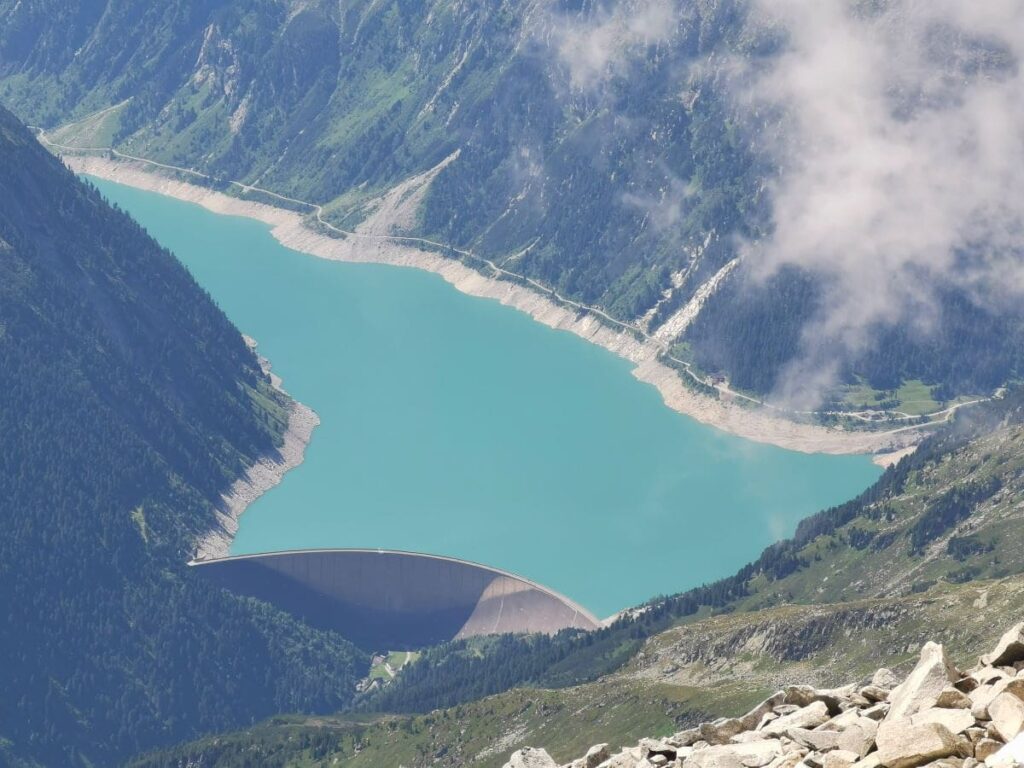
point(383, 599)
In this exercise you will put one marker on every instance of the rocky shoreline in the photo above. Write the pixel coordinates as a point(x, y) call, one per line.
point(937, 717)
point(372, 245)
point(261, 476)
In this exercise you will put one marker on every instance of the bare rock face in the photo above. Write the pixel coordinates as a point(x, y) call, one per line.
point(1009, 650)
point(922, 689)
point(901, 744)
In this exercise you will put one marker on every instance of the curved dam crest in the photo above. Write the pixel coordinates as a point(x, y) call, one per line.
point(454, 425)
point(396, 600)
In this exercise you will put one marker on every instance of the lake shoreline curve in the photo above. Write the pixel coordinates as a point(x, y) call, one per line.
point(293, 230)
point(260, 476)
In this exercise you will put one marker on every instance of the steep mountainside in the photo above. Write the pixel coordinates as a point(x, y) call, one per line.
point(948, 514)
point(931, 552)
point(128, 405)
point(594, 146)
point(721, 666)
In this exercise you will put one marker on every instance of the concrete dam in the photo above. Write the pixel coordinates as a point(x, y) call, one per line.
point(384, 599)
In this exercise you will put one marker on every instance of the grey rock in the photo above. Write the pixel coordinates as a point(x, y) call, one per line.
point(985, 748)
point(885, 678)
point(956, 720)
point(685, 738)
point(953, 698)
point(839, 758)
point(529, 757)
point(720, 731)
point(811, 716)
point(901, 744)
point(820, 740)
point(877, 712)
point(1007, 713)
point(1009, 649)
point(859, 737)
point(755, 754)
point(596, 755)
point(922, 688)
point(875, 693)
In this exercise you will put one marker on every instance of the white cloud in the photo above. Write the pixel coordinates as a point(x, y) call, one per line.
point(898, 132)
point(600, 46)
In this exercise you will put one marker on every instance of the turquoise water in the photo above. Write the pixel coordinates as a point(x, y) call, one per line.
point(455, 426)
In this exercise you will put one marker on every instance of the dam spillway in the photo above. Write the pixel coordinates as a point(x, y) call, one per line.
point(386, 599)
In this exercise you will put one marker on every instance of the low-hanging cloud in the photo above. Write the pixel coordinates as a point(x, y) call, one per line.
point(600, 46)
point(897, 132)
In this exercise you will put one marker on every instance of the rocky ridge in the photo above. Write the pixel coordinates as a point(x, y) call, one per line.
point(937, 716)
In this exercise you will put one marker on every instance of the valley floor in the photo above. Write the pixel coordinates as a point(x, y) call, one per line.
point(371, 243)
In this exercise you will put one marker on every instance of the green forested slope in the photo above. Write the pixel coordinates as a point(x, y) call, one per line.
point(949, 514)
point(627, 190)
point(128, 404)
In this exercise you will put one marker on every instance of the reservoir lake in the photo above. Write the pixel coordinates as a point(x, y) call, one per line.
point(456, 426)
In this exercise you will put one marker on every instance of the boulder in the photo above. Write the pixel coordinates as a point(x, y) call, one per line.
point(901, 744)
point(720, 731)
point(596, 755)
point(875, 693)
point(1009, 649)
point(985, 748)
point(685, 738)
point(754, 717)
point(877, 712)
point(859, 737)
point(1010, 756)
point(885, 678)
point(871, 761)
point(839, 758)
point(627, 758)
point(529, 757)
point(649, 747)
point(922, 688)
point(820, 740)
point(810, 716)
point(953, 698)
point(1007, 714)
point(956, 720)
point(755, 754)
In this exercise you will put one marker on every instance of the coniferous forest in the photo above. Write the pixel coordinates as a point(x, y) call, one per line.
point(128, 404)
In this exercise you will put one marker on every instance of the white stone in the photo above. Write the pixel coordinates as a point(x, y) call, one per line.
point(922, 688)
point(1007, 713)
point(1010, 649)
point(859, 737)
point(839, 758)
point(901, 744)
point(811, 716)
point(956, 720)
point(1010, 756)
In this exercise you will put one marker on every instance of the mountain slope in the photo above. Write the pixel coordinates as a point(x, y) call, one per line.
point(128, 405)
point(602, 150)
point(720, 666)
point(947, 514)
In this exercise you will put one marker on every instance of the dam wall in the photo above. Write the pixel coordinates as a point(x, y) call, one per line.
point(385, 599)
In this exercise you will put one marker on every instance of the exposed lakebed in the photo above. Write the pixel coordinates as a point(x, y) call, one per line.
point(456, 426)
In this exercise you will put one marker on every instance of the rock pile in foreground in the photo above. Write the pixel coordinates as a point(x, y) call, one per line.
point(938, 716)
